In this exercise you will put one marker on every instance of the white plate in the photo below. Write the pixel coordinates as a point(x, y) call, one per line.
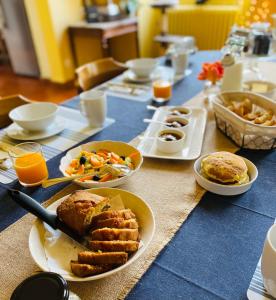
point(159, 72)
point(18, 133)
point(192, 147)
point(222, 189)
point(141, 209)
point(120, 148)
point(131, 77)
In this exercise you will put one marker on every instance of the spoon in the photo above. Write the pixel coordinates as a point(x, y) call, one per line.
point(115, 169)
point(157, 122)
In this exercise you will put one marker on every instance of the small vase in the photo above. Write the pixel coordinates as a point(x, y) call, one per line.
point(211, 89)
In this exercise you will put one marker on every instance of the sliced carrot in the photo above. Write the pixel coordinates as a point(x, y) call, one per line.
point(134, 154)
point(86, 178)
point(115, 156)
point(113, 161)
point(69, 171)
point(106, 177)
point(102, 154)
point(95, 162)
point(80, 170)
point(74, 163)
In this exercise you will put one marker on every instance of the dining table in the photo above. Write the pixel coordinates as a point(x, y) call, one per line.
point(215, 252)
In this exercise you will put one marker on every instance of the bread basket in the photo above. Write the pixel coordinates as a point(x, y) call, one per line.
point(244, 133)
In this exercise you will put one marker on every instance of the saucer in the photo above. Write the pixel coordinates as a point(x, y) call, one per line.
point(132, 77)
point(16, 132)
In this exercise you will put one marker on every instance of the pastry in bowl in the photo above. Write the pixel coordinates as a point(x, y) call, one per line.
point(224, 173)
point(225, 168)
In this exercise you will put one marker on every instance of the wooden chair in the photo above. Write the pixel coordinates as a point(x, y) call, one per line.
point(7, 104)
point(97, 72)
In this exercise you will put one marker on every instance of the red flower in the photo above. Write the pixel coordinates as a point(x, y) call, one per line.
point(211, 71)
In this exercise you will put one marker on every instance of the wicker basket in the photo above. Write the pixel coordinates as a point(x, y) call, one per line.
point(244, 133)
point(7, 104)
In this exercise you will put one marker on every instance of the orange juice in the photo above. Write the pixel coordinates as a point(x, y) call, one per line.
point(162, 89)
point(31, 168)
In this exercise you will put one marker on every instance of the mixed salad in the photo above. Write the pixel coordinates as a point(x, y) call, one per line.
point(102, 165)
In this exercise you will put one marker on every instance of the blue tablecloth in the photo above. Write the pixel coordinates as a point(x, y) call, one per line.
point(215, 252)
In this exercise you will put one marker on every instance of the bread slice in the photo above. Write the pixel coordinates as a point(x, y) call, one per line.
point(125, 214)
point(109, 246)
point(110, 234)
point(117, 223)
point(84, 270)
point(79, 208)
point(102, 258)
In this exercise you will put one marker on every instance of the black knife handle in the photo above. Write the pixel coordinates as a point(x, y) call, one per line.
point(34, 207)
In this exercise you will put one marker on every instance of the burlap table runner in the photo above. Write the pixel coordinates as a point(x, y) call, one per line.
point(170, 189)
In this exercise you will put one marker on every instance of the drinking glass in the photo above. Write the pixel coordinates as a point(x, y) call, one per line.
point(29, 163)
point(162, 87)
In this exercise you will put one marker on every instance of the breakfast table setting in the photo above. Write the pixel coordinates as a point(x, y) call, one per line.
point(182, 227)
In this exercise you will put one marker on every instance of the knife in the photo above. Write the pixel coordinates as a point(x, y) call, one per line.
point(33, 207)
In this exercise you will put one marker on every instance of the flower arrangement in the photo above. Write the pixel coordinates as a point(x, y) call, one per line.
point(211, 71)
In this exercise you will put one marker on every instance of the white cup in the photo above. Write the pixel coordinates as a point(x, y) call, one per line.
point(180, 62)
point(268, 264)
point(93, 107)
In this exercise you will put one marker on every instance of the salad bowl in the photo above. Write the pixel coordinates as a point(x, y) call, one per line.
point(128, 154)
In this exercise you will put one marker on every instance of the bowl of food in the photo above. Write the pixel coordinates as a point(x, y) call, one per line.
point(177, 123)
point(170, 140)
point(225, 173)
point(102, 163)
point(117, 226)
point(265, 88)
point(142, 67)
point(180, 111)
point(34, 116)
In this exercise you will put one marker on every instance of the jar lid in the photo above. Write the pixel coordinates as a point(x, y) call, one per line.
point(42, 286)
point(228, 60)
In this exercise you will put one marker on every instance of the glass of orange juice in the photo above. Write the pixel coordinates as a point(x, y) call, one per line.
point(162, 89)
point(29, 163)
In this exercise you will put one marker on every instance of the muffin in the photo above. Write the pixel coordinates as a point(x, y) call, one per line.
point(225, 168)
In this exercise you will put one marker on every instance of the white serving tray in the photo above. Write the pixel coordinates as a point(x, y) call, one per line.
point(194, 136)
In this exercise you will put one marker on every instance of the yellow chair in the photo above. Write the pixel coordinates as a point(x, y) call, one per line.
point(209, 23)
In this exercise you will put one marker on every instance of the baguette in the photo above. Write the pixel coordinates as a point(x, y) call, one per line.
point(117, 223)
point(84, 270)
point(111, 246)
point(102, 258)
point(110, 234)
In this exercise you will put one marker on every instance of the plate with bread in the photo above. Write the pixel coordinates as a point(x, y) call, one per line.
point(101, 163)
point(117, 226)
point(225, 173)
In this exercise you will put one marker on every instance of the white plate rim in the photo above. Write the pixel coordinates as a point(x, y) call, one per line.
point(105, 274)
point(59, 121)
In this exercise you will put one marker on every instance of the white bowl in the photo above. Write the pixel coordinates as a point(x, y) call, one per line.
point(139, 206)
point(170, 146)
point(271, 87)
point(185, 111)
point(221, 189)
point(34, 116)
point(142, 67)
point(182, 120)
point(120, 148)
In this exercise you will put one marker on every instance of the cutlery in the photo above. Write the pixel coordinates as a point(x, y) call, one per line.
point(33, 207)
point(151, 107)
point(157, 122)
point(115, 170)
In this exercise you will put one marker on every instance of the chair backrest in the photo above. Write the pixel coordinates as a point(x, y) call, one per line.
point(7, 104)
point(97, 72)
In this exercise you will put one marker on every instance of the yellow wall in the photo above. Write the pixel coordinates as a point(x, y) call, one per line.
point(49, 20)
